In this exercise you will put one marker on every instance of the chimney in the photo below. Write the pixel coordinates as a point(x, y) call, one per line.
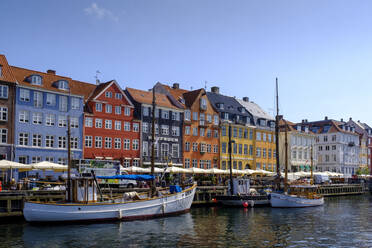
point(326, 118)
point(303, 121)
point(350, 119)
point(176, 86)
point(51, 72)
point(342, 119)
point(246, 99)
point(215, 89)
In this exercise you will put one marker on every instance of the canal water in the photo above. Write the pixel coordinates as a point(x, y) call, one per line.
point(341, 222)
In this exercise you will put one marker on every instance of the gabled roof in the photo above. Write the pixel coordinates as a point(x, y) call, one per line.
point(103, 87)
point(145, 97)
point(6, 74)
point(255, 110)
point(176, 93)
point(191, 96)
point(49, 79)
point(231, 105)
point(328, 126)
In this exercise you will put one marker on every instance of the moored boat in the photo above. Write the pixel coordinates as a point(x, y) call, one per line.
point(298, 196)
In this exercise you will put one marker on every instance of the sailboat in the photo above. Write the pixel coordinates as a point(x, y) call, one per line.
point(303, 195)
point(85, 201)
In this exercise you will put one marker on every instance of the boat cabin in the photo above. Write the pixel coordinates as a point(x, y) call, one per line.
point(84, 190)
point(241, 186)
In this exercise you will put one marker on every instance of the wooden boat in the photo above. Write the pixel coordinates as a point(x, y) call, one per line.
point(297, 195)
point(86, 207)
point(242, 196)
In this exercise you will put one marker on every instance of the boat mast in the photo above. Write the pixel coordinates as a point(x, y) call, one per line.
point(230, 161)
point(311, 164)
point(69, 198)
point(277, 136)
point(153, 189)
point(286, 159)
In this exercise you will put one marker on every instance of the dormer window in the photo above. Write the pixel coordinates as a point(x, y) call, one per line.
point(262, 123)
point(63, 85)
point(36, 80)
point(241, 110)
point(203, 104)
point(220, 105)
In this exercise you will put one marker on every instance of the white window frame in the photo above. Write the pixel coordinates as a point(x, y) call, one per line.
point(4, 90)
point(24, 95)
point(117, 143)
point(75, 103)
point(118, 110)
point(88, 141)
point(108, 124)
point(51, 99)
point(98, 123)
point(118, 125)
point(88, 122)
point(98, 142)
point(108, 108)
point(50, 120)
point(126, 111)
point(3, 114)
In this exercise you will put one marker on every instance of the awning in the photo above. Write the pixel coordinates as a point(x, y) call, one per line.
point(128, 177)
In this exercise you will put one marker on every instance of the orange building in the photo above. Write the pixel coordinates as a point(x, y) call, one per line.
point(200, 129)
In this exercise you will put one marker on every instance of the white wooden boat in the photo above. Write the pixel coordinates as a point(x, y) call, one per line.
point(118, 208)
point(299, 196)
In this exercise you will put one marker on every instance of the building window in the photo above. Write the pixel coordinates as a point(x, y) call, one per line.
point(126, 163)
point(50, 119)
point(118, 96)
point(241, 149)
point(108, 142)
point(145, 127)
point(62, 85)
point(108, 108)
point(62, 161)
point(202, 132)
point(4, 135)
point(35, 159)
point(108, 94)
point(99, 107)
point(215, 148)
point(23, 139)
point(195, 116)
point(36, 140)
point(38, 99)
point(135, 127)
point(215, 120)
point(126, 111)
point(62, 121)
point(245, 149)
point(126, 126)
point(98, 142)
point(195, 131)
point(187, 163)
point(98, 123)
point(63, 103)
point(145, 111)
point(50, 99)
point(126, 144)
point(145, 148)
point(187, 130)
point(117, 125)
point(88, 141)
point(108, 124)
point(118, 110)
point(88, 122)
point(3, 113)
point(62, 141)
point(224, 147)
point(36, 80)
point(164, 129)
point(49, 159)
point(135, 144)
point(187, 146)
point(194, 147)
point(175, 116)
point(264, 152)
point(24, 95)
point(74, 122)
point(74, 142)
point(164, 150)
point(187, 115)
point(75, 103)
point(258, 152)
point(37, 118)
point(4, 91)
point(49, 141)
point(235, 148)
point(164, 114)
point(23, 116)
point(175, 151)
point(223, 131)
point(195, 163)
point(175, 131)
point(325, 138)
point(117, 143)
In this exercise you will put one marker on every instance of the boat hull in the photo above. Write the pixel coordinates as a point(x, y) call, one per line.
point(238, 201)
point(156, 207)
point(289, 201)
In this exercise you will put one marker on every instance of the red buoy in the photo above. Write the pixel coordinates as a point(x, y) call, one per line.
point(245, 204)
point(214, 200)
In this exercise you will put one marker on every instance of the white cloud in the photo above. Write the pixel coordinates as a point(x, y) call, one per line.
point(100, 13)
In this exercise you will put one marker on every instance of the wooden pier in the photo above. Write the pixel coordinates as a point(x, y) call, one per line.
point(11, 202)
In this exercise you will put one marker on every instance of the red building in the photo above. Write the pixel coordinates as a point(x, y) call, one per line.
point(110, 130)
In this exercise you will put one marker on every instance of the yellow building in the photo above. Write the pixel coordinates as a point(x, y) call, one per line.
point(242, 154)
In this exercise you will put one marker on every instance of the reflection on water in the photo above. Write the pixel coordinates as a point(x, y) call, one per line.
point(341, 222)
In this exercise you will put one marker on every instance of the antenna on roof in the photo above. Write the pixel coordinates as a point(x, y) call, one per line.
point(96, 77)
point(205, 85)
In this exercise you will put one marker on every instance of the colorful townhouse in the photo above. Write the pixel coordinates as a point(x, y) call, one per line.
point(200, 126)
point(110, 130)
point(363, 142)
point(168, 128)
point(7, 106)
point(300, 142)
point(264, 136)
point(336, 145)
point(235, 119)
point(369, 146)
point(44, 105)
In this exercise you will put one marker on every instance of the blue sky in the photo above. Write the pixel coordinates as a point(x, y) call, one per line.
point(320, 49)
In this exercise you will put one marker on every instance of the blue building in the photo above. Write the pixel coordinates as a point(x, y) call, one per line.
point(44, 103)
